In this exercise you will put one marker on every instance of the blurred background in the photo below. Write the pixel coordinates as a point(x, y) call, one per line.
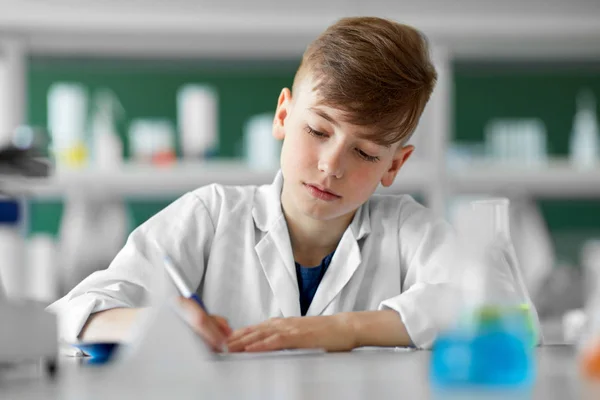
point(137, 102)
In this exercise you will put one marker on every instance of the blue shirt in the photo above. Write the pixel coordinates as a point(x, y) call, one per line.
point(308, 281)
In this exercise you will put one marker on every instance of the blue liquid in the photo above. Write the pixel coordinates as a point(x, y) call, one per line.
point(491, 358)
point(99, 352)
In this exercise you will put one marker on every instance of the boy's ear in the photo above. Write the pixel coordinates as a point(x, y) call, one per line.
point(402, 154)
point(281, 113)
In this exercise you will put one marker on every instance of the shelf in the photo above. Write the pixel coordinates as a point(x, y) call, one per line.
point(557, 179)
point(138, 181)
point(269, 28)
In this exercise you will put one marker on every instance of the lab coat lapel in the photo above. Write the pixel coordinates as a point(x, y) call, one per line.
point(344, 263)
point(274, 250)
point(276, 257)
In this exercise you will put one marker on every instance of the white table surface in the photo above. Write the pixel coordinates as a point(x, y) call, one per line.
point(376, 374)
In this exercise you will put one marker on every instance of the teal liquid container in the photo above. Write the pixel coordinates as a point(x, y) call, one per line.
point(492, 345)
point(497, 353)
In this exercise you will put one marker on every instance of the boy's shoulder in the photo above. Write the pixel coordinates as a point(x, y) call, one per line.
point(232, 204)
point(402, 205)
point(401, 212)
point(217, 193)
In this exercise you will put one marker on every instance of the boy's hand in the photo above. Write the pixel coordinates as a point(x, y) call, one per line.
point(213, 329)
point(332, 333)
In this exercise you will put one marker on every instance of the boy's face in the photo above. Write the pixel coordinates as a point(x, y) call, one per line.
point(329, 170)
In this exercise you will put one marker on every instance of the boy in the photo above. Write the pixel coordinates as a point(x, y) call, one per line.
point(314, 259)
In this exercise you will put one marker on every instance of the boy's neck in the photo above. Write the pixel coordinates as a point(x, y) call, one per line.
point(312, 240)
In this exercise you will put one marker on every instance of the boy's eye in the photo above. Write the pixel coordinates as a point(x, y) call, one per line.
point(313, 132)
point(367, 156)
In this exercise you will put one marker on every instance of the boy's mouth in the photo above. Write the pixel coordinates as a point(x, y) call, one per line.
point(321, 192)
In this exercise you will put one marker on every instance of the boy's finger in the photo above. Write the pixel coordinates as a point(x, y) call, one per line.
point(223, 325)
point(205, 325)
point(270, 343)
point(213, 335)
point(238, 333)
point(241, 343)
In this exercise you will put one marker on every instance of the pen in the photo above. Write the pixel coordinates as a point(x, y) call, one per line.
point(183, 288)
point(180, 284)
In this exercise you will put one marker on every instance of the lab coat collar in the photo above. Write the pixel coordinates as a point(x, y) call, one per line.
point(267, 204)
point(275, 253)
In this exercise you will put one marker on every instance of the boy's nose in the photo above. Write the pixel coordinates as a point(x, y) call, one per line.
point(331, 163)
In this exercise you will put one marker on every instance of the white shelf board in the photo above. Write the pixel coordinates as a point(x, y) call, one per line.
point(557, 179)
point(242, 29)
point(138, 181)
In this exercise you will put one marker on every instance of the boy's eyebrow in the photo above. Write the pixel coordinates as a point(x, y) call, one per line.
point(324, 115)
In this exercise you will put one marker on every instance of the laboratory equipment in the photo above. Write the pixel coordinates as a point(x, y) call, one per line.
point(43, 273)
point(94, 227)
point(573, 325)
point(261, 150)
point(532, 242)
point(107, 148)
point(197, 118)
point(12, 250)
point(585, 135)
point(67, 119)
point(152, 141)
point(16, 163)
point(27, 332)
point(21, 161)
point(99, 352)
point(7, 123)
point(492, 344)
point(589, 342)
point(520, 141)
point(92, 231)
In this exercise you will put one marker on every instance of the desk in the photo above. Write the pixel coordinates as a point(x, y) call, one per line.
point(356, 375)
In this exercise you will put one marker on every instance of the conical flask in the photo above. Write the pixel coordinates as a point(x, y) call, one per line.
point(499, 324)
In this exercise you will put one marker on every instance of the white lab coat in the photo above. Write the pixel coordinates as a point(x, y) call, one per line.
point(232, 244)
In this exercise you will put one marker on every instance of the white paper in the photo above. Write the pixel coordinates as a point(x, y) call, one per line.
point(266, 354)
point(388, 349)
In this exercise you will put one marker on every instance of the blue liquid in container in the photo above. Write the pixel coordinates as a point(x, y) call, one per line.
point(99, 352)
point(491, 357)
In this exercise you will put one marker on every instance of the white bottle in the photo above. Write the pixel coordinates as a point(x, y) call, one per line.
point(585, 140)
point(43, 273)
point(106, 143)
point(93, 229)
point(67, 116)
point(197, 120)
point(261, 150)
